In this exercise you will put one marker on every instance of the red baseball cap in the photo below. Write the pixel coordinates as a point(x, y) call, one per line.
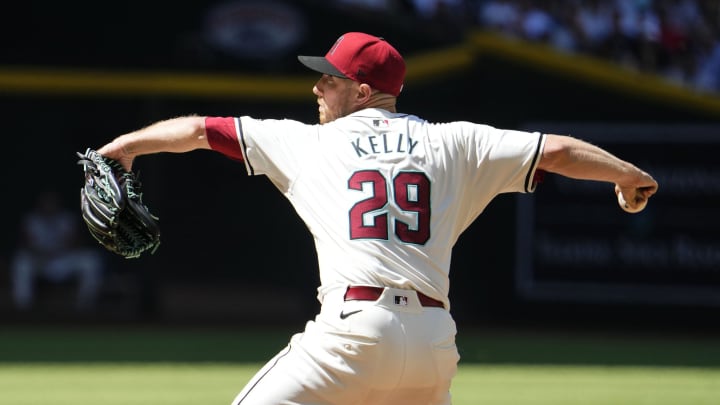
point(364, 58)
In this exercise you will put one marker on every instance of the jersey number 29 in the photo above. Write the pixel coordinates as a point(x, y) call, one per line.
point(411, 193)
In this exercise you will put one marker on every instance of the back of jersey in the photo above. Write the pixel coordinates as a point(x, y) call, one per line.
point(386, 195)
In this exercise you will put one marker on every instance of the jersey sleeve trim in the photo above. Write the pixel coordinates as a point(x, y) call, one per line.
point(222, 136)
point(243, 147)
point(531, 178)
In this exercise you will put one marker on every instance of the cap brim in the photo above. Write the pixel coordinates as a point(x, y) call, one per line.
point(320, 64)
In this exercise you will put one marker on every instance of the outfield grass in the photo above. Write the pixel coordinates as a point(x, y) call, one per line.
point(585, 385)
point(122, 384)
point(128, 366)
point(213, 383)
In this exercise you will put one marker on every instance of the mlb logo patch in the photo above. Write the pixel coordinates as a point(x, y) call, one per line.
point(381, 123)
point(401, 300)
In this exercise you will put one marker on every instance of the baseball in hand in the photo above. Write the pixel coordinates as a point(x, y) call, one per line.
point(641, 204)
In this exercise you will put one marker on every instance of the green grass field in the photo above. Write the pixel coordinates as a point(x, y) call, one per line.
point(127, 366)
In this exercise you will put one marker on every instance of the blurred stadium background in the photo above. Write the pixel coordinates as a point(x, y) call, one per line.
point(234, 255)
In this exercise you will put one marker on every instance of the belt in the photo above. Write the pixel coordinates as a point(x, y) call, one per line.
point(367, 293)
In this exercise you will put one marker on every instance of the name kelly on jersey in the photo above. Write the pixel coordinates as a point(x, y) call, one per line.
point(384, 143)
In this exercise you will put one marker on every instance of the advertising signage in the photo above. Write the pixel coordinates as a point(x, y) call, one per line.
point(574, 243)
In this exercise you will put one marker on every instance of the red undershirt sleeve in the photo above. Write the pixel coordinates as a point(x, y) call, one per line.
point(222, 136)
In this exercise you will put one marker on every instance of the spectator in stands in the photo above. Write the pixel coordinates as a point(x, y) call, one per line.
point(707, 77)
point(671, 38)
point(537, 24)
point(440, 10)
point(502, 16)
point(683, 31)
point(595, 20)
point(51, 249)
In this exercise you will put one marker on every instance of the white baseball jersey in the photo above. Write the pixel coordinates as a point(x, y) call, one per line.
point(385, 195)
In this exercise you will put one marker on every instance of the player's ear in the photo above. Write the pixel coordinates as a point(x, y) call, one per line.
point(364, 93)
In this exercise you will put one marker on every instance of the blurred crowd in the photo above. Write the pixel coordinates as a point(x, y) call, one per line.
point(677, 39)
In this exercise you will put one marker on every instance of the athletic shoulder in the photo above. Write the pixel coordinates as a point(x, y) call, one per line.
point(275, 122)
point(458, 129)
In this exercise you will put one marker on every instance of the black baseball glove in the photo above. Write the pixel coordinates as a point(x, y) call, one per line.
point(112, 207)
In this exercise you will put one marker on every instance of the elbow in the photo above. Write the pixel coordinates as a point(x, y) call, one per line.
point(196, 133)
point(198, 126)
point(555, 154)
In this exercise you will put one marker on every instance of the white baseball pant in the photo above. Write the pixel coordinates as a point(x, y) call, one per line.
point(391, 351)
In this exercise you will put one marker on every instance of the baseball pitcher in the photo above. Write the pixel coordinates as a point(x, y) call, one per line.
point(385, 196)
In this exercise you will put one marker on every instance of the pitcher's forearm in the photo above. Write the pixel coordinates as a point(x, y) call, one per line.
point(176, 135)
point(578, 159)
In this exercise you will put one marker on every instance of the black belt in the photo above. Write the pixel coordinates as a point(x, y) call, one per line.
point(367, 293)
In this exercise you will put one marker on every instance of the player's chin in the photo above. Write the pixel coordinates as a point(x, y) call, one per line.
point(323, 118)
